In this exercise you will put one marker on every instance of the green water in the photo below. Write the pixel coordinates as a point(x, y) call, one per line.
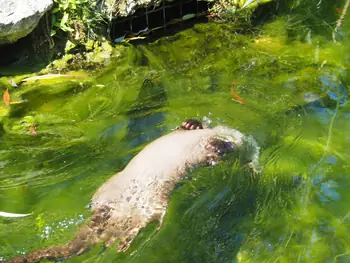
point(297, 210)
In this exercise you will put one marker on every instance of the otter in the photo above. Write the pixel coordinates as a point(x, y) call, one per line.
point(139, 194)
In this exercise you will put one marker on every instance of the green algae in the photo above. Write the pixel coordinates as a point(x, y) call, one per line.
point(295, 211)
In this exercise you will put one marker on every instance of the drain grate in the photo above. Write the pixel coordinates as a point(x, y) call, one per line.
point(146, 20)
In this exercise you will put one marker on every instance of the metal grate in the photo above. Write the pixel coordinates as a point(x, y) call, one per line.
point(146, 20)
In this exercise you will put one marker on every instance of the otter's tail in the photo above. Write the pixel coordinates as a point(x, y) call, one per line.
point(82, 241)
point(86, 237)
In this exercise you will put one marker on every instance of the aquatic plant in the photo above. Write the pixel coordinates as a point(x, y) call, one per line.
point(296, 211)
point(230, 9)
point(80, 18)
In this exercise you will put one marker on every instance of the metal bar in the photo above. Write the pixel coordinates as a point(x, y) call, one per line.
point(155, 10)
point(164, 20)
point(180, 8)
point(148, 11)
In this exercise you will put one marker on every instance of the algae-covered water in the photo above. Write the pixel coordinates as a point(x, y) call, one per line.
point(294, 79)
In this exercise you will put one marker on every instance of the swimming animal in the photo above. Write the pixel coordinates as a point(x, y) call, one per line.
point(139, 194)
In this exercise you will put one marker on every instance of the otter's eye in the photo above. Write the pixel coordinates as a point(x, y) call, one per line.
point(229, 145)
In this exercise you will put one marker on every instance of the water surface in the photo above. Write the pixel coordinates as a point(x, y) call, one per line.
point(294, 78)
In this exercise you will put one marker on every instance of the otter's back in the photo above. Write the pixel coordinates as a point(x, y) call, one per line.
point(163, 160)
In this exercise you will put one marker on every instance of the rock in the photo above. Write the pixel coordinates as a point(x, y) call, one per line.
point(19, 17)
point(125, 8)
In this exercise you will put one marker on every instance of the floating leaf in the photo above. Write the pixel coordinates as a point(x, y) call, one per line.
point(236, 96)
point(5, 214)
point(119, 39)
point(53, 76)
point(338, 10)
point(188, 16)
point(6, 97)
point(32, 130)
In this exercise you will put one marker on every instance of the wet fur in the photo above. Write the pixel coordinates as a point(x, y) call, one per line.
point(139, 194)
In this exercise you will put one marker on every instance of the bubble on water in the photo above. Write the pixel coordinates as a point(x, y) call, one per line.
point(206, 120)
point(50, 230)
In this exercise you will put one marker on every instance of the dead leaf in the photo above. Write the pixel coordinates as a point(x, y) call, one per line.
point(6, 97)
point(212, 15)
point(236, 96)
point(32, 130)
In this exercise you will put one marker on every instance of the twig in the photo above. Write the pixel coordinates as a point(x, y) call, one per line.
point(341, 18)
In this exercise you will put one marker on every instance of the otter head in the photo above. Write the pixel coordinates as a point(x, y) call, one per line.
point(226, 142)
point(230, 142)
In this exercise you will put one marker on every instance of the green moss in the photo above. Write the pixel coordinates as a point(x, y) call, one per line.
point(296, 210)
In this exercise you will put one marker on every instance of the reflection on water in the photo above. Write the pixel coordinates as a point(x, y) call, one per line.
point(294, 79)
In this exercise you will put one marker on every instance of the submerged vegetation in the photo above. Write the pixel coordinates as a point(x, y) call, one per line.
point(80, 30)
point(62, 136)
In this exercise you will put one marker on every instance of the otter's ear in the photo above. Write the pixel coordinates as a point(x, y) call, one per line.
point(191, 124)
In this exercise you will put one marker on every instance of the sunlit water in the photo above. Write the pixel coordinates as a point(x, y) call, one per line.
point(294, 78)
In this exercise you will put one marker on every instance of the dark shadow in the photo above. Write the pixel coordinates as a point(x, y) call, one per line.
point(31, 53)
point(147, 115)
point(166, 19)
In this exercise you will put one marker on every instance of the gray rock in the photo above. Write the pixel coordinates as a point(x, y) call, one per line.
point(127, 7)
point(19, 17)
